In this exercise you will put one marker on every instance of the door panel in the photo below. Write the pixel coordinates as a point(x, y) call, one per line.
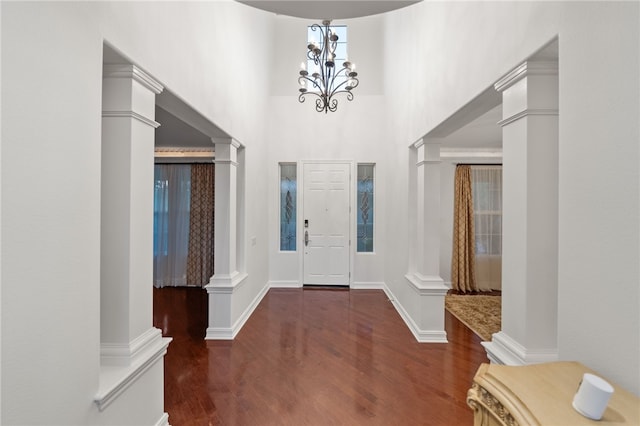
point(326, 210)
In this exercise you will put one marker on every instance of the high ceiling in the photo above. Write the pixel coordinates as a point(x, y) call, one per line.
point(328, 9)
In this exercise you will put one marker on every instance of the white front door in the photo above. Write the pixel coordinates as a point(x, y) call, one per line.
point(326, 223)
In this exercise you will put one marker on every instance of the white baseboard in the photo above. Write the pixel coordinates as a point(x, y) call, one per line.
point(164, 420)
point(422, 336)
point(502, 349)
point(225, 333)
point(284, 284)
point(364, 285)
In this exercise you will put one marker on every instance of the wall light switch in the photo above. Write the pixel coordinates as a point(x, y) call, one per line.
point(253, 241)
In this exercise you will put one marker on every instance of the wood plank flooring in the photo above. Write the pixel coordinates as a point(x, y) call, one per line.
point(313, 357)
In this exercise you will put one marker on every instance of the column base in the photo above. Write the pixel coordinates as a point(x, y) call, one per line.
point(116, 378)
point(502, 349)
point(426, 318)
point(223, 295)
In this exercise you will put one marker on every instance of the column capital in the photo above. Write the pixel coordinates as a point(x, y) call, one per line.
point(428, 153)
point(227, 141)
point(226, 152)
point(525, 69)
point(134, 73)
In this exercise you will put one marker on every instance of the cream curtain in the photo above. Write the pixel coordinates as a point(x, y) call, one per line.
point(171, 224)
point(463, 275)
point(486, 182)
point(200, 255)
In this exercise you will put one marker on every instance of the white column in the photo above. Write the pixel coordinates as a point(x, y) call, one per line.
point(226, 278)
point(530, 216)
point(224, 262)
point(126, 270)
point(426, 280)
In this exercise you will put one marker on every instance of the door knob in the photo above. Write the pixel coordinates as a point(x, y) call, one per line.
point(306, 238)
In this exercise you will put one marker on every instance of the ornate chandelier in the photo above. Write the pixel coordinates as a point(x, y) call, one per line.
point(326, 80)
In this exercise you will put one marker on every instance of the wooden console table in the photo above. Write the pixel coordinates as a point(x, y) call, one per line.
point(541, 394)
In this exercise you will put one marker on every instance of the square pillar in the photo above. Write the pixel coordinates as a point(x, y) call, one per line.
point(530, 216)
point(126, 247)
point(131, 349)
point(226, 280)
point(425, 279)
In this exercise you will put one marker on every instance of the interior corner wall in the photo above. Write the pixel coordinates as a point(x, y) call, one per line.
point(355, 132)
point(598, 291)
point(51, 137)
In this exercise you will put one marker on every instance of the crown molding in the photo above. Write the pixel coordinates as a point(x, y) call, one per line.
point(135, 73)
point(526, 69)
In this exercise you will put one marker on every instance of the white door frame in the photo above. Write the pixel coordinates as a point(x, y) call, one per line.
point(300, 214)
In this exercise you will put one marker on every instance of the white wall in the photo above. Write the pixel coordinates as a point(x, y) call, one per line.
point(298, 133)
point(599, 289)
point(51, 104)
point(51, 89)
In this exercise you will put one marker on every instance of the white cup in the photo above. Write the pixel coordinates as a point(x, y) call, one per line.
point(592, 397)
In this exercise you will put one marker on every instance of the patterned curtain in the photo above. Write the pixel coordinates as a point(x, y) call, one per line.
point(463, 274)
point(200, 257)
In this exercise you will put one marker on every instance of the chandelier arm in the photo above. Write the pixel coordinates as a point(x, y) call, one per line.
point(338, 89)
point(335, 88)
point(349, 94)
point(302, 95)
point(324, 78)
point(334, 105)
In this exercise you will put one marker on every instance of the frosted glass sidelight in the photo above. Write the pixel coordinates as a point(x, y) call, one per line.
point(365, 211)
point(288, 206)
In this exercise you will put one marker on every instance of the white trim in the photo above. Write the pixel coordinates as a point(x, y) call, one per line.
point(131, 114)
point(220, 283)
point(417, 144)
point(133, 72)
point(502, 349)
point(124, 354)
point(224, 333)
point(525, 69)
point(231, 162)
point(163, 421)
point(427, 285)
point(285, 284)
point(527, 112)
point(114, 380)
point(227, 141)
point(422, 336)
point(471, 153)
point(423, 162)
point(372, 285)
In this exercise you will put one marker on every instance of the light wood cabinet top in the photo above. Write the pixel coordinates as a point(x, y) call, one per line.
point(542, 394)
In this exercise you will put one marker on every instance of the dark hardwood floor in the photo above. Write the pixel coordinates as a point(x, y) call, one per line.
point(313, 357)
